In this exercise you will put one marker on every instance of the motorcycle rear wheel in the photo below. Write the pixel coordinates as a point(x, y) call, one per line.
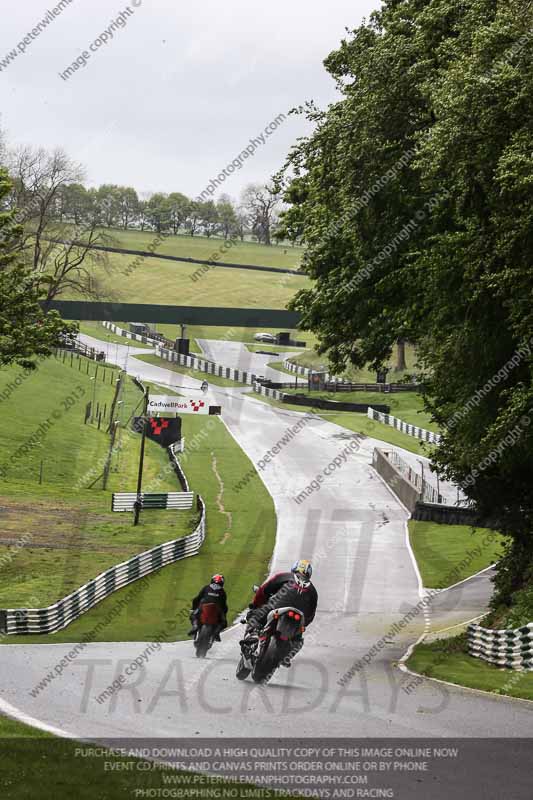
point(203, 641)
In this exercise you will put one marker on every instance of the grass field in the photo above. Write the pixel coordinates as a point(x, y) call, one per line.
point(447, 660)
point(173, 283)
point(184, 246)
point(192, 373)
point(73, 535)
point(39, 765)
point(97, 331)
point(240, 538)
point(447, 554)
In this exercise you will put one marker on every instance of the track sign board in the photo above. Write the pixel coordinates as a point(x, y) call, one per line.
point(164, 404)
point(163, 430)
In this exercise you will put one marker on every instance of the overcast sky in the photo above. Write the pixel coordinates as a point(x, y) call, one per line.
point(179, 90)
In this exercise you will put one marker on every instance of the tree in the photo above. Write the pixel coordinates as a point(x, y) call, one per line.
point(194, 217)
point(108, 204)
point(143, 214)
point(159, 212)
point(291, 225)
point(25, 330)
point(209, 218)
point(57, 252)
point(127, 205)
point(413, 198)
point(241, 223)
point(261, 205)
point(179, 210)
point(226, 215)
point(75, 203)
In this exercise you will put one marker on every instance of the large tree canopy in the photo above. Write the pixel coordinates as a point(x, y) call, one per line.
point(414, 198)
point(25, 330)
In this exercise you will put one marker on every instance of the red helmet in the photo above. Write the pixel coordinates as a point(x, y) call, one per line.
point(218, 580)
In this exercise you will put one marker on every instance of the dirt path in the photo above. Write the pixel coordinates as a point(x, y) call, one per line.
point(220, 500)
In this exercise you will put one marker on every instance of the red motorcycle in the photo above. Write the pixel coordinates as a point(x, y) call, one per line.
point(208, 625)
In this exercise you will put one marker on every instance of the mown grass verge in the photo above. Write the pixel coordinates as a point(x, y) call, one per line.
point(447, 554)
point(39, 765)
point(447, 660)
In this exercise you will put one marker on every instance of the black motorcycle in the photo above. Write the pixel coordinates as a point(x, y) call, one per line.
point(277, 642)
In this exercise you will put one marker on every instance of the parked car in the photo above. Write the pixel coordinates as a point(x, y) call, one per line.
point(265, 337)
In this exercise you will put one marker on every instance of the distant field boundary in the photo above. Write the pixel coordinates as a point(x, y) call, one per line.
point(148, 254)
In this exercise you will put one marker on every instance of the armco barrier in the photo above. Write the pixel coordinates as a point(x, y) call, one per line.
point(314, 402)
point(136, 337)
point(125, 501)
point(298, 369)
point(404, 427)
point(206, 367)
point(59, 615)
point(509, 648)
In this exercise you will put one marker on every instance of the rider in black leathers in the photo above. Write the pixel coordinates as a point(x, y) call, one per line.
point(212, 593)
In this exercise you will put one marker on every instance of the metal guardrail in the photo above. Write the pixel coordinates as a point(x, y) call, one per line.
point(135, 337)
point(298, 369)
point(404, 427)
point(510, 648)
point(57, 616)
point(125, 501)
point(206, 367)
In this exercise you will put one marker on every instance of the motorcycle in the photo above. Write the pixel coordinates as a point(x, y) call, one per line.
point(279, 639)
point(208, 622)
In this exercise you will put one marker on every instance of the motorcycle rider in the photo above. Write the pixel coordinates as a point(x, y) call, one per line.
point(292, 588)
point(213, 592)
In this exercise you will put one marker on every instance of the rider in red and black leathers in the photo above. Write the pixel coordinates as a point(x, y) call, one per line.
point(283, 589)
point(269, 588)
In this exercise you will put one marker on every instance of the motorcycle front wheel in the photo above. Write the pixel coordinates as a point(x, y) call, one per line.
point(269, 661)
point(242, 670)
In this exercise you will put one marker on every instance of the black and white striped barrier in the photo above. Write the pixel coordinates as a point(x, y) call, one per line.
point(135, 337)
point(206, 367)
point(404, 427)
point(59, 615)
point(125, 501)
point(290, 366)
point(508, 648)
point(275, 394)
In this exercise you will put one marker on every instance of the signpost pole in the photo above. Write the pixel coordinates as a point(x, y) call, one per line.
point(138, 502)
